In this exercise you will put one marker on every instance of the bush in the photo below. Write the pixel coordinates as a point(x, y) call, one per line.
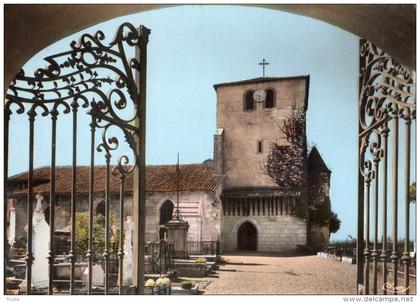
point(321, 216)
point(300, 212)
point(82, 233)
point(335, 223)
point(186, 285)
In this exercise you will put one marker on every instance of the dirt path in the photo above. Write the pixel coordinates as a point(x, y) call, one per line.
point(282, 274)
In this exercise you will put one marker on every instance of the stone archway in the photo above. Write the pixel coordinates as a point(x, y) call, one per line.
point(100, 208)
point(165, 215)
point(362, 20)
point(247, 237)
point(166, 211)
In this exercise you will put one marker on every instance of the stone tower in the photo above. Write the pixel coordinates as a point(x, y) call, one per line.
point(247, 125)
point(258, 215)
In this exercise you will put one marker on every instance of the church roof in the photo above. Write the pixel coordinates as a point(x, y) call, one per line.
point(159, 178)
point(315, 161)
point(259, 80)
point(269, 79)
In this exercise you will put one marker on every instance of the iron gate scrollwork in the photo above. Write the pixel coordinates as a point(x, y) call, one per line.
point(103, 79)
point(386, 98)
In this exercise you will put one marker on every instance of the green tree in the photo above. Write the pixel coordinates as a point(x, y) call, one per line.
point(334, 223)
point(82, 233)
point(321, 216)
point(285, 164)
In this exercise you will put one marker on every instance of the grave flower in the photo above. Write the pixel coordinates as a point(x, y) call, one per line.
point(150, 283)
point(163, 282)
point(201, 260)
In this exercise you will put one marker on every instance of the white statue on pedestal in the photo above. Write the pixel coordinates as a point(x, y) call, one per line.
point(12, 226)
point(128, 253)
point(40, 246)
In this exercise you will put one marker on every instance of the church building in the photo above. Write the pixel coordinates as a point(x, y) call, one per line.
point(257, 214)
point(229, 198)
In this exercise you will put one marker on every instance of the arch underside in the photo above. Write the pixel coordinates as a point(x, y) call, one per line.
point(395, 34)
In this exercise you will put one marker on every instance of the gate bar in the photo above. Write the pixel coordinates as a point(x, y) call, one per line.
point(384, 253)
point(367, 235)
point(7, 113)
point(141, 152)
point(121, 249)
point(29, 256)
point(394, 255)
point(360, 191)
point(375, 219)
point(406, 255)
point(72, 256)
point(51, 252)
point(106, 249)
point(90, 252)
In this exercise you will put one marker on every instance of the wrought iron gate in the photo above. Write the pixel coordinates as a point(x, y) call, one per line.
point(103, 79)
point(386, 100)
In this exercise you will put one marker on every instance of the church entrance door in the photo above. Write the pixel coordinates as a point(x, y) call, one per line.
point(247, 237)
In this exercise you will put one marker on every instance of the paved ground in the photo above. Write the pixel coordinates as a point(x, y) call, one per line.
point(281, 274)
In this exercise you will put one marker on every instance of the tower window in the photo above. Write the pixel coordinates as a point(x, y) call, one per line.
point(249, 101)
point(259, 147)
point(269, 100)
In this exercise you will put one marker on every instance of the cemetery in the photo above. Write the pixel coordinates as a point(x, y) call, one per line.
point(169, 269)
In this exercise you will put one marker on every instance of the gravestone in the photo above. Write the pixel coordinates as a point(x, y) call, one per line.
point(128, 253)
point(98, 275)
point(40, 246)
point(177, 234)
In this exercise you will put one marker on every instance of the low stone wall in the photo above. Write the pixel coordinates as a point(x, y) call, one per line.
point(343, 259)
point(191, 270)
point(275, 233)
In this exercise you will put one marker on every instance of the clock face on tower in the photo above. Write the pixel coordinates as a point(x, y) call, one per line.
point(259, 95)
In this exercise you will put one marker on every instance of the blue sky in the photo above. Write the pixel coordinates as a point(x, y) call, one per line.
point(193, 47)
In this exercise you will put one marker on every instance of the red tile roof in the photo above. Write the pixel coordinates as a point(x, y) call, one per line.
point(159, 178)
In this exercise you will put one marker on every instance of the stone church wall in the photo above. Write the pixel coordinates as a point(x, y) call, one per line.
point(62, 209)
point(205, 225)
point(202, 210)
point(275, 233)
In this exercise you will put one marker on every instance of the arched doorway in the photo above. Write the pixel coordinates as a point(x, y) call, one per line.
point(166, 211)
point(247, 236)
point(100, 208)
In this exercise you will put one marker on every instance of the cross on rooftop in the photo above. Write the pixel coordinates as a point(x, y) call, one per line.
point(263, 63)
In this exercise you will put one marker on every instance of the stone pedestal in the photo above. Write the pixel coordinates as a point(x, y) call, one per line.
point(177, 234)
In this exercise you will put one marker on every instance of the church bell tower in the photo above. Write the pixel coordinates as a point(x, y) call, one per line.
point(257, 213)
